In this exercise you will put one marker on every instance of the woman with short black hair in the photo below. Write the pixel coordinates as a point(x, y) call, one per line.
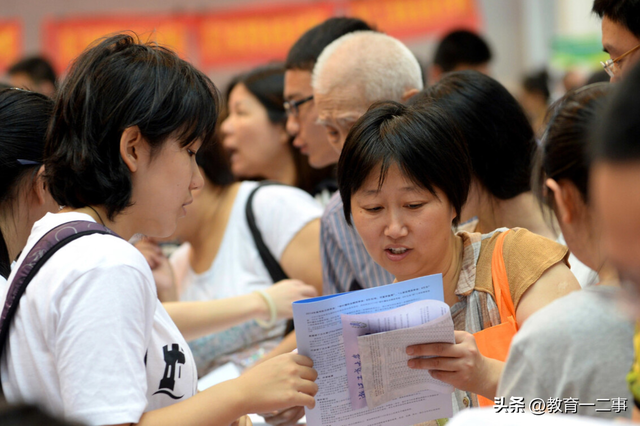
point(90, 340)
point(404, 175)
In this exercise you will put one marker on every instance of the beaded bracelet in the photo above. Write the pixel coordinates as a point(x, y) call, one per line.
point(272, 310)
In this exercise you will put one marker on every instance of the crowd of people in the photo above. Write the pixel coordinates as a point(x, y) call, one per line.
point(154, 229)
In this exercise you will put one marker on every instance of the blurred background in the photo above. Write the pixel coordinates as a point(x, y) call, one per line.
point(224, 37)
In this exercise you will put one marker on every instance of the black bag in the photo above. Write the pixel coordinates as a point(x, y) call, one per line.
point(51, 242)
point(270, 262)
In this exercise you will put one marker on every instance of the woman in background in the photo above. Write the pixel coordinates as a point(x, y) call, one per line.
point(547, 357)
point(24, 198)
point(255, 136)
point(501, 146)
point(219, 258)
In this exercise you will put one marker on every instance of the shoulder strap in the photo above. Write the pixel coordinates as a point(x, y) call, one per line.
point(270, 262)
point(501, 288)
point(51, 242)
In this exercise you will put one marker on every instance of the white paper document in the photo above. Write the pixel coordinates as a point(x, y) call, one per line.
point(375, 348)
point(319, 335)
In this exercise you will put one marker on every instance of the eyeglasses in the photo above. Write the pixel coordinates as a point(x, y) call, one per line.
point(292, 107)
point(611, 66)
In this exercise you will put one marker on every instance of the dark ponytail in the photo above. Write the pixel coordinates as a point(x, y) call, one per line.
point(24, 117)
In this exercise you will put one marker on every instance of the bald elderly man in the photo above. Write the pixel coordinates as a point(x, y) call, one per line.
point(352, 73)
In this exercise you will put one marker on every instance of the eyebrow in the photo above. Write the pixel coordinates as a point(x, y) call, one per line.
point(377, 191)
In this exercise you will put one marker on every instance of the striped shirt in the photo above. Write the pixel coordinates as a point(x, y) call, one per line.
point(346, 265)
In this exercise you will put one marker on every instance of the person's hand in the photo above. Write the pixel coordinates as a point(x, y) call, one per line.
point(243, 421)
point(285, 292)
point(161, 269)
point(287, 417)
point(279, 383)
point(460, 365)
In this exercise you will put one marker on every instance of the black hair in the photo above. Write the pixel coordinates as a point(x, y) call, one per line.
point(24, 117)
point(538, 82)
point(624, 12)
point(421, 140)
point(215, 164)
point(266, 83)
point(461, 47)
point(494, 126)
point(37, 68)
point(617, 135)
point(563, 153)
point(304, 53)
point(118, 83)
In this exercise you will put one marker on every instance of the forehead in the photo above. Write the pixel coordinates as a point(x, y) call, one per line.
point(394, 179)
point(616, 190)
point(348, 102)
point(616, 38)
point(297, 83)
point(240, 94)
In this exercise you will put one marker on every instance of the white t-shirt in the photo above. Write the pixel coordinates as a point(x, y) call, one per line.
point(280, 212)
point(90, 340)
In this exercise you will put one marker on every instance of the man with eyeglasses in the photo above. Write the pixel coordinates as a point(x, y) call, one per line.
point(310, 138)
point(620, 34)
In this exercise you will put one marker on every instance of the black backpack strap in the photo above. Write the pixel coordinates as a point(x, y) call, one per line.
point(270, 262)
point(51, 242)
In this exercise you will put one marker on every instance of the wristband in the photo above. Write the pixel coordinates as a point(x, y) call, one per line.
point(272, 310)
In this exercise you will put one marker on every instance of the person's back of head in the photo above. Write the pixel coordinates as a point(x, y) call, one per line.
point(117, 84)
point(34, 73)
point(24, 117)
point(379, 65)
point(304, 53)
point(563, 153)
point(499, 137)
point(460, 50)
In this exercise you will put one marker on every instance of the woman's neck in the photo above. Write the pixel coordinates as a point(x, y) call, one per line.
point(284, 171)
point(521, 211)
point(451, 273)
point(14, 231)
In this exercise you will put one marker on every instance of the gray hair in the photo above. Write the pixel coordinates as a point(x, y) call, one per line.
point(384, 67)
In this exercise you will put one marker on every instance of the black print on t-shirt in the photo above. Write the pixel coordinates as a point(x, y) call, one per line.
point(171, 358)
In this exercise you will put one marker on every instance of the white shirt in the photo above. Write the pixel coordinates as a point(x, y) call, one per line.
point(90, 340)
point(280, 212)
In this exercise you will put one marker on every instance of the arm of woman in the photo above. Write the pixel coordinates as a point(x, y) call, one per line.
point(288, 378)
point(554, 283)
point(462, 365)
point(301, 257)
point(198, 319)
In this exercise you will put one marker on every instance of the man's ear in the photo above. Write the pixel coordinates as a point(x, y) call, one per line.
point(564, 196)
point(408, 94)
point(131, 147)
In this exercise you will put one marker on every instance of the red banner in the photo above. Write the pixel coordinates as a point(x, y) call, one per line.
point(255, 35)
point(247, 36)
point(65, 39)
point(10, 42)
point(413, 18)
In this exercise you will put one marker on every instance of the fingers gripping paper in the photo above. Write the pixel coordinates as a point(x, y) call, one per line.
point(385, 374)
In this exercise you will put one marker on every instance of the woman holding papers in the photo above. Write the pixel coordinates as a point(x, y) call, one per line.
point(404, 175)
